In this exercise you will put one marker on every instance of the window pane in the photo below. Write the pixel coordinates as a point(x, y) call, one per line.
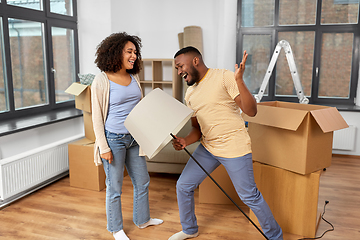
point(32, 4)
point(257, 13)
point(335, 70)
point(4, 106)
point(27, 62)
point(64, 61)
point(63, 7)
point(297, 12)
point(258, 47)
point(302, 46)
point(339, 11)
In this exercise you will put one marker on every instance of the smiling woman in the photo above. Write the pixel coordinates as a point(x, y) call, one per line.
point(114, 93)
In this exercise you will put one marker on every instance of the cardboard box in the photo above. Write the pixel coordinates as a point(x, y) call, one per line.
point(88, 126)
point(83, 102)
point(82, 96)
point(293, 136)
point(83, 172)
point(293, 198)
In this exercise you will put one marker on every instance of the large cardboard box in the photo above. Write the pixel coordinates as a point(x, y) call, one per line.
point(293, 136)
point(83, 172)
point(293, 198)
point(83, 102)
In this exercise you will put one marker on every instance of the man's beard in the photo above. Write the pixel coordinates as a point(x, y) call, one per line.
point(195, 76)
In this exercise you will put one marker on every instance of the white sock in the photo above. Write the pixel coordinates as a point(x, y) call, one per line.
point(120, 235)
point(181, 236)
point(151, 222)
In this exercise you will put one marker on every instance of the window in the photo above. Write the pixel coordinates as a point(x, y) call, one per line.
point(4, 104)
point(27, 63)
point(39, 59)
point(64, 62)
point(324, 36)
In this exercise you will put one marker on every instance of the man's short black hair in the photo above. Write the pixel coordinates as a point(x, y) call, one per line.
point(189, 49)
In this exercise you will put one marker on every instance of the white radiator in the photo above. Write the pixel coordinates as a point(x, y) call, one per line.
point(27, 170)
point(344, 139)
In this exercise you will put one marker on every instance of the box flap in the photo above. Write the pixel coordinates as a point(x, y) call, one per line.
point(329, 119)
point(289, 119)
point(76, 89)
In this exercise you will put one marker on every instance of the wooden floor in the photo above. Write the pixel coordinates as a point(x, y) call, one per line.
point(59, 211)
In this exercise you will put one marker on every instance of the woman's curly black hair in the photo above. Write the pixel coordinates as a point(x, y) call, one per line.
point(109, 53)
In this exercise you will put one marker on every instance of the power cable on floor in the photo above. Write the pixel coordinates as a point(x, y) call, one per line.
point(322, 217)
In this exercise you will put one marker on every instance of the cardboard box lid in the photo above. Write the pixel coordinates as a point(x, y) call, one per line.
point(290, 115)
point(329, 119)
point(76, 88)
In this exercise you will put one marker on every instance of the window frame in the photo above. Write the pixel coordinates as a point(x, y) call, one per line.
point(48, 20)
point(319, 30)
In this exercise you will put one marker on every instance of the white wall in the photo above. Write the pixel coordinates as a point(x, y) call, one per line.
point(157, 23)
point(94, 24)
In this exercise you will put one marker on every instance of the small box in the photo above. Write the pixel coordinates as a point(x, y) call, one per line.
point(82, 96)
point(83, 172)
point(293, 198)
point(296, 137)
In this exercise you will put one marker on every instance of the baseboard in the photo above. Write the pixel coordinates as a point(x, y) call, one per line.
point(345, 155)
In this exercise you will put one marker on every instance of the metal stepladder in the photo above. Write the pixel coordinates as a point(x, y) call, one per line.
point(294, 73)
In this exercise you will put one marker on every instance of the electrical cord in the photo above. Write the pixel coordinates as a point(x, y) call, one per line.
point(322, 217)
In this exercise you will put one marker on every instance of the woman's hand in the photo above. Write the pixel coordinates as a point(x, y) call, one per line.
point(107, 156)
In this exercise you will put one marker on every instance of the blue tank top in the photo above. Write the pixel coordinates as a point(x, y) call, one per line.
point(122, 100)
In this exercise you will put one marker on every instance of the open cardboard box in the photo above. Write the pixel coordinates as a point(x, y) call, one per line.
point(296, 137)
point(83, 102)
point(82, 96)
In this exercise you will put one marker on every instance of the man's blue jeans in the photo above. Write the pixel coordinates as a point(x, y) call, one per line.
point(240, 171)
point(125, 152)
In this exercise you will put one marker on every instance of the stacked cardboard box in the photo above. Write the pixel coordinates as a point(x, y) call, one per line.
point(83, 102)
point(291, 144)
point(83, 172)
